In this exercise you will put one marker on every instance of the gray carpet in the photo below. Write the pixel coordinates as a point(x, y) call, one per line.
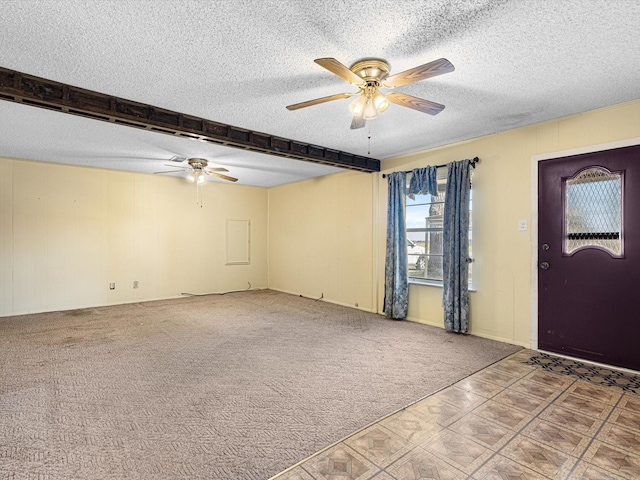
point(239, 386)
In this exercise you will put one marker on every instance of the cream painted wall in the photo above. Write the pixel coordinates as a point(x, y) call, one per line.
point(321, 239)
point(67, 232)
point(321, 230)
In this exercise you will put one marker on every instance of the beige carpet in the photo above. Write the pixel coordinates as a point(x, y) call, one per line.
point(239, 386)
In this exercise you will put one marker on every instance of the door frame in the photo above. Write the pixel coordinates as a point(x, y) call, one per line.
point(534, 215)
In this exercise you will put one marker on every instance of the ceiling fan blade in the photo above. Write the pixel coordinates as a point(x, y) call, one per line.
point(337, 68)
point(420, 104)
point(219, 175)
point(171, 171)
point(358, 121)
point(422, 72)
point(176, 166)
point(215, 169)
point(318, 101)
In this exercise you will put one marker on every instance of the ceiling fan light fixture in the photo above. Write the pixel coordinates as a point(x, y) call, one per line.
point(358, 105)
point(370, 111)
point(380, 102)
point(197, 177)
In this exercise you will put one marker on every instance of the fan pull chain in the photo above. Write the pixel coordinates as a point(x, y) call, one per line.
point(369, 139)
point(199, 195)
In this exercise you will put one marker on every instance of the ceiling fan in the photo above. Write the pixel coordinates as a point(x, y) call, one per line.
point(372, 74)
point(197, 168)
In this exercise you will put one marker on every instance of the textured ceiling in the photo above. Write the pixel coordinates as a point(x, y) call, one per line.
point(241, 62)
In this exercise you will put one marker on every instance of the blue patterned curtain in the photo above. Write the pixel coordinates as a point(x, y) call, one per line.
point(396, 278)
point(455, 275)
point(423, 181)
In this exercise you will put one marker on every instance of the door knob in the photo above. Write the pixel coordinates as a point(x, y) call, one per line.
point(544, 266)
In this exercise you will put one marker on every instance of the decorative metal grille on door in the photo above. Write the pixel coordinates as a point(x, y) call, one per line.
point(593, 211)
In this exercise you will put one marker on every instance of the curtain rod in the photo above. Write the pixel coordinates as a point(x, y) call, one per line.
point(471, 162)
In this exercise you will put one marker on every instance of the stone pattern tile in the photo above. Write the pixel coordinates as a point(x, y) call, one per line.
point(340, 463)
point(378, 444)
point(530, 416)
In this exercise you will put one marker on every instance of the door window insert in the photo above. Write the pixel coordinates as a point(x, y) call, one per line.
point(593, 211)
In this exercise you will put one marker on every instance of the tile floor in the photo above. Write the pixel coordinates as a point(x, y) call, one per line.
point(529, 416)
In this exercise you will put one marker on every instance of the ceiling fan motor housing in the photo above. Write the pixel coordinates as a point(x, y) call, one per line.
point(371, 69)
point(198, 163)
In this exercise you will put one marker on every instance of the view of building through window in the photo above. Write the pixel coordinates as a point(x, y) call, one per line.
point(424, 234)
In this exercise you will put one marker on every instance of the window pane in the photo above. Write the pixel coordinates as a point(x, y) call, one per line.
point(429, 267)
point(434, 268)
point(415, 251)
point(417, 211)
point(434, 243)
point(424, 233)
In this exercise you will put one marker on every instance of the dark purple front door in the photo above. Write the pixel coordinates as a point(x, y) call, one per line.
point(589, 256)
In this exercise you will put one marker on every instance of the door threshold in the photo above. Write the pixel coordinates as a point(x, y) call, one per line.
point(590, 362)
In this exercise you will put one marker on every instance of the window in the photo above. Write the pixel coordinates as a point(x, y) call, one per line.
point(425, 237)
point(593, 211)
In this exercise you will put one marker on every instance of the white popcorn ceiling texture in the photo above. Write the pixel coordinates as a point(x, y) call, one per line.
point(238, 62)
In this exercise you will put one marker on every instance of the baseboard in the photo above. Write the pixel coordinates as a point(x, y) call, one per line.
point(126, 302)
point(510, 341)
point(324, 299)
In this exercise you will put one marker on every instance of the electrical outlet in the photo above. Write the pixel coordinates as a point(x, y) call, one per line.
point(112, 286)
point(135, 284)
point(522, 225)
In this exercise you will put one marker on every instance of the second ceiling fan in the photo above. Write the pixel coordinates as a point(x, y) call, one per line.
point(197, 168)
point(372, 74)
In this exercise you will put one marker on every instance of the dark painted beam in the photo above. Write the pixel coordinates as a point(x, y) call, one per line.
point(39, 92)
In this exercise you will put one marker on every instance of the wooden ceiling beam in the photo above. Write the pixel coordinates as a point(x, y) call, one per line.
point(39, 92)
